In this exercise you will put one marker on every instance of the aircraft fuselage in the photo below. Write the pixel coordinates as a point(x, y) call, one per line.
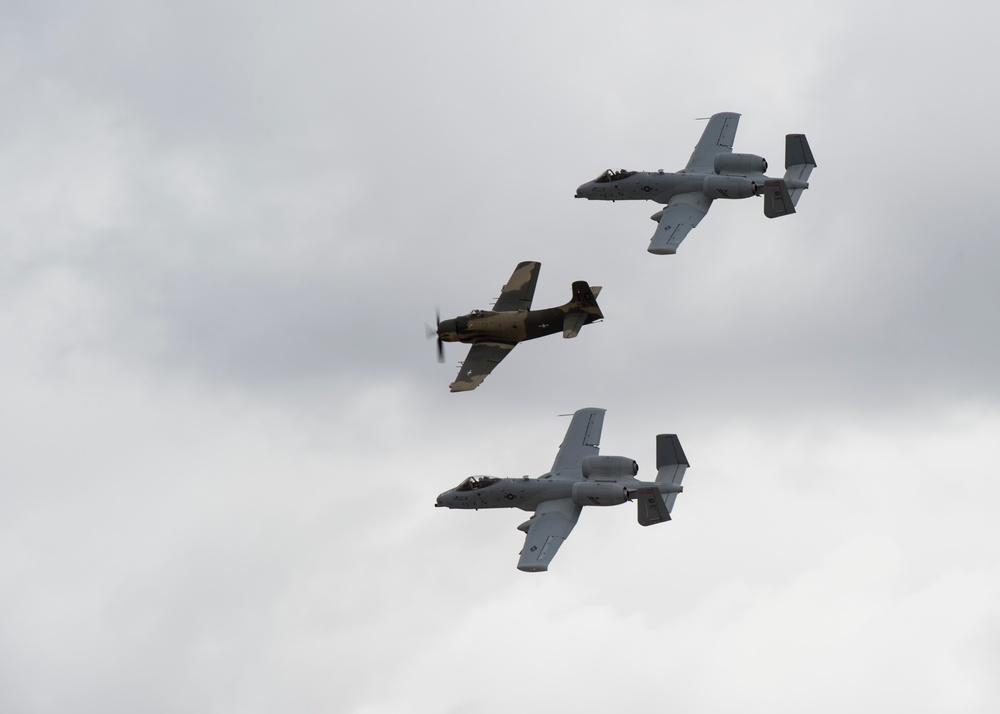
point(642, 185)
point(661, 187)
point(523, 493)
point(526, 493)
point(510, 327)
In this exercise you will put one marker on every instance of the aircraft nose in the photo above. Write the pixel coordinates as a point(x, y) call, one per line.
point(447, 327)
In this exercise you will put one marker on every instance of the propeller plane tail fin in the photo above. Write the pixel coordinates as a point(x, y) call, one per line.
point(582, 309)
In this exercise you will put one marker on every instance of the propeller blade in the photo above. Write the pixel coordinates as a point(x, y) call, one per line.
point(431, 333)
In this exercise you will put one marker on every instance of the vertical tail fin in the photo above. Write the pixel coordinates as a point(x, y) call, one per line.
point(777, 200)
point(797, 152)
point(671, 463)
point(585, 297)
point(799, 163)
point(582, 309)
point(652, 509)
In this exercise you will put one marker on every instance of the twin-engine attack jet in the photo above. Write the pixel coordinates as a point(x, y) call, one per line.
point(578, 478)
point(712, 172)
point(493, 333)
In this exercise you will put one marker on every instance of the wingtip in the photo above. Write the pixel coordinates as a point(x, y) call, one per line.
point(533, 568)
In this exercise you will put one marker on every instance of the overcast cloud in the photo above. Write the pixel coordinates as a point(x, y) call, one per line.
point(223, 227)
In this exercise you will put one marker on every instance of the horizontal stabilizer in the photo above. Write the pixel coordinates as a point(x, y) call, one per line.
point(651, 507)
point(777, 201)
point(572, 324)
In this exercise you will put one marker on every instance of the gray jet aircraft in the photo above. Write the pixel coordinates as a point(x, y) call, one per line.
point(712, 172)
point(579, 477)
point(494, 333)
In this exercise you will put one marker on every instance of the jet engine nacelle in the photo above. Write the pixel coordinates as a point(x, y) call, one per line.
point(598, 494)
point(729, 187)
point(608, 467)
point(740, 164)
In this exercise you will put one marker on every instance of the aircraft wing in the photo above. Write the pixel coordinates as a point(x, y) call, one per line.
point(483, 357)
point(582, 439)
point(548, 528)
point(520, 289)
point(716, 139)
point(683, 212)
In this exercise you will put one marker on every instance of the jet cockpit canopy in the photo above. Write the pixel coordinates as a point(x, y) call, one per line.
point(613, 175)
point(472, 483)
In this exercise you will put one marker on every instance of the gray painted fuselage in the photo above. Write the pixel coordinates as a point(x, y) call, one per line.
point(526, 493)
point(643, 186)
point(660, 186)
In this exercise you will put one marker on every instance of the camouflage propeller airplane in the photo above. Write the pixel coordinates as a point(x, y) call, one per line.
point(579, 477)
point(494, 333)
point(712, 172)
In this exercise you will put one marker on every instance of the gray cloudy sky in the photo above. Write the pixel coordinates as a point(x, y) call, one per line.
point(224, 225)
